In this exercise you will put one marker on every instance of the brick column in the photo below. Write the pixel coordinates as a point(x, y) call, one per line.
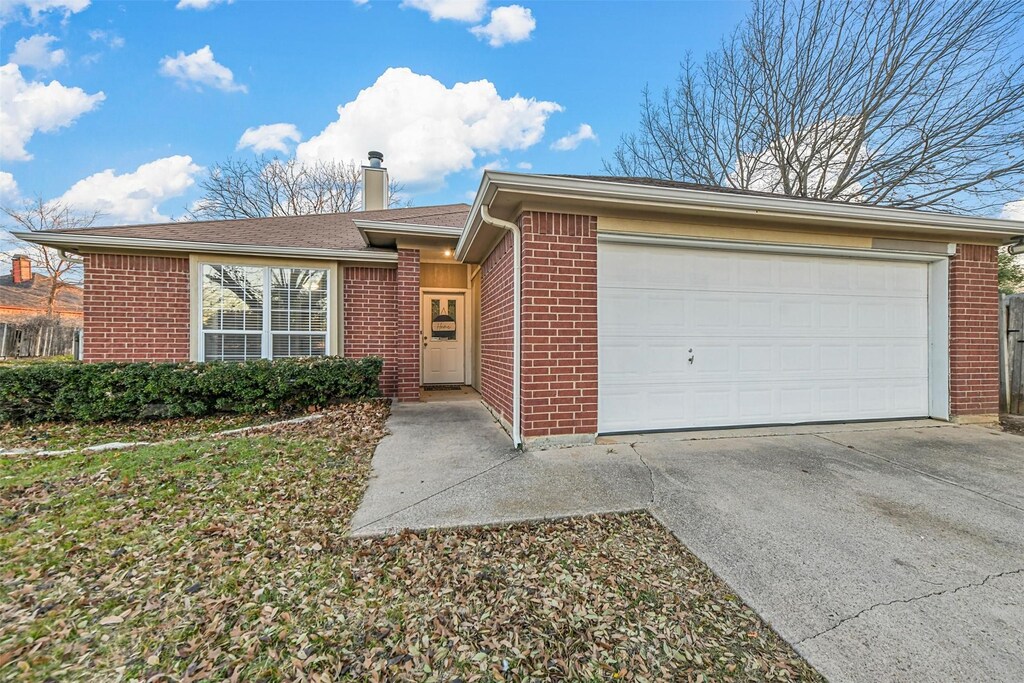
point(370, 315)
point(559, 327)
point(974, 331)
point(407, 333)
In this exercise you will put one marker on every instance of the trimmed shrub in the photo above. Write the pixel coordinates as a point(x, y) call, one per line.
point(90, 392)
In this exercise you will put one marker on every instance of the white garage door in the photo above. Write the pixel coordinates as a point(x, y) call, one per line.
point(708, 338)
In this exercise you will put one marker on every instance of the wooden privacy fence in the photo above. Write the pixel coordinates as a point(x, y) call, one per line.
point(38, 338)
point(1011, 353)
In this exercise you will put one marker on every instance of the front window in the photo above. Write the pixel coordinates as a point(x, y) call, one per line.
point(263, 312)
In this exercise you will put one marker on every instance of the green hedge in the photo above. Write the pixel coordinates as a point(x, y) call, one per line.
point(90, 392)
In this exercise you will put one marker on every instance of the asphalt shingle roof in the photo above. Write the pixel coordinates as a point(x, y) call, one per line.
point(32, 295)
point(319, 231)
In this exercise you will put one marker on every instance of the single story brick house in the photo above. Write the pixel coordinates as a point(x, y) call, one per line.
point(578, 306)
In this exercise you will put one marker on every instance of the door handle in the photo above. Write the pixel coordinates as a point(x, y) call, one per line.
point(690, 359)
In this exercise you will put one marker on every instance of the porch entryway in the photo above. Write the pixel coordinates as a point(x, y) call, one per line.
point(444, 393)
point(443, 331)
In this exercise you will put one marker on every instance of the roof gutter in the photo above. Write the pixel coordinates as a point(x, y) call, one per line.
point(484, 194)
point(367, 228)
point(407, 228)
point(73, 242)
point(517, 346)
point(780, 207)
point(65, 256)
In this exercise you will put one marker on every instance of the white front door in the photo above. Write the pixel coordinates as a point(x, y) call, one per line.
point(444, 338)
point(703, 338)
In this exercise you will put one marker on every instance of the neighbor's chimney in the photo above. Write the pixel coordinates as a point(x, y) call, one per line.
point(21, 269)
point(375, 183)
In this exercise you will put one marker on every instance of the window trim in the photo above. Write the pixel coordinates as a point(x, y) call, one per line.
point(266, 334)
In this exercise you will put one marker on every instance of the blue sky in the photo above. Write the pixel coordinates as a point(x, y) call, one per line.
point(532, 74)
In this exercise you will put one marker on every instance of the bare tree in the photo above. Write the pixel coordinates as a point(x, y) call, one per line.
point(907, 103)
point(39, 216)
point(260, 187)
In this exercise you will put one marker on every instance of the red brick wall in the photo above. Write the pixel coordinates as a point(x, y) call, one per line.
point(974, 331)
point(407, 333)
point(136, 308)
point(496, 328)
point(370, 319)
point(559, 324)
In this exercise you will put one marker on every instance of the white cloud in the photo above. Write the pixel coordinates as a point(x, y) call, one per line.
point(1013, 211)
point(9, 193)
point(524, 166)
point(825, 147)
point(9, 197)
point(36, 53)
point(133, 197)
point(27, 107)
point(198, 69)
point(111, 39)
point(457, 10)
point(273, 137)
point(10, 8)
point(427, 130)
point(200, 4)
point(510, 24)
point(573, 140)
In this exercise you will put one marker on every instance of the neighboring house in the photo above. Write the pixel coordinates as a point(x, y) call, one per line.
point(25, 295)
point(642, 304)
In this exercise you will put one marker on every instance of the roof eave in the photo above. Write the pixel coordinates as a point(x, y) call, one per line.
point(484, 194)
point(681, 200)
point(78, 243)
point(372, 231)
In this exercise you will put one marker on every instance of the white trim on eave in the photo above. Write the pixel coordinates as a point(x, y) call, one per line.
point(79, 242)
point(391, 229)
point(780, 208)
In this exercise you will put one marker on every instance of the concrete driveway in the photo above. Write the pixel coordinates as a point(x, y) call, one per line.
point(887, 551)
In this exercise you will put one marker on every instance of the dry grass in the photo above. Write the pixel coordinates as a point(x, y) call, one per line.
point(54, 436)
point(228, 559)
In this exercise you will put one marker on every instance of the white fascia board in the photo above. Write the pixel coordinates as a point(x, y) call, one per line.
point(405, 230)
point(780, 207)
point(484, 194)
point(78, 242)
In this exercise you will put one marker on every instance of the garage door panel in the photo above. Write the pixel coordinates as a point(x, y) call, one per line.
point(755, 404)
point(835, 358)
point(712, 405)
point(775, 339)
point(669, 361)
point(835, 401)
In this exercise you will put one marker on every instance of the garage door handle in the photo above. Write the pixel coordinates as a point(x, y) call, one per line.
point(691, 356)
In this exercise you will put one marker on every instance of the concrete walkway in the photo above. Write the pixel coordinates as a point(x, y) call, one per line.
point(883, 552)
point(450, 464)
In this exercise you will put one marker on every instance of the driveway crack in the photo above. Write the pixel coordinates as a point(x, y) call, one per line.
point(901, 465)
point(877, 605)
point(650, 472)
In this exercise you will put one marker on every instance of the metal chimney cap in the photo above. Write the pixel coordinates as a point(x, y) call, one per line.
point(376, 158)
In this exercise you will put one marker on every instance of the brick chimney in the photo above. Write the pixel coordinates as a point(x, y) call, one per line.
point(21, 269)
point(375, 183)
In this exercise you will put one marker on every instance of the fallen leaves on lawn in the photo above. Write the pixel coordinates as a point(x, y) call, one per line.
point(228, 559)
point(53, 436)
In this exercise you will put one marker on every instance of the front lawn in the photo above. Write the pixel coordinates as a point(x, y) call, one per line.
point(227, 559)
point(55, 436)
